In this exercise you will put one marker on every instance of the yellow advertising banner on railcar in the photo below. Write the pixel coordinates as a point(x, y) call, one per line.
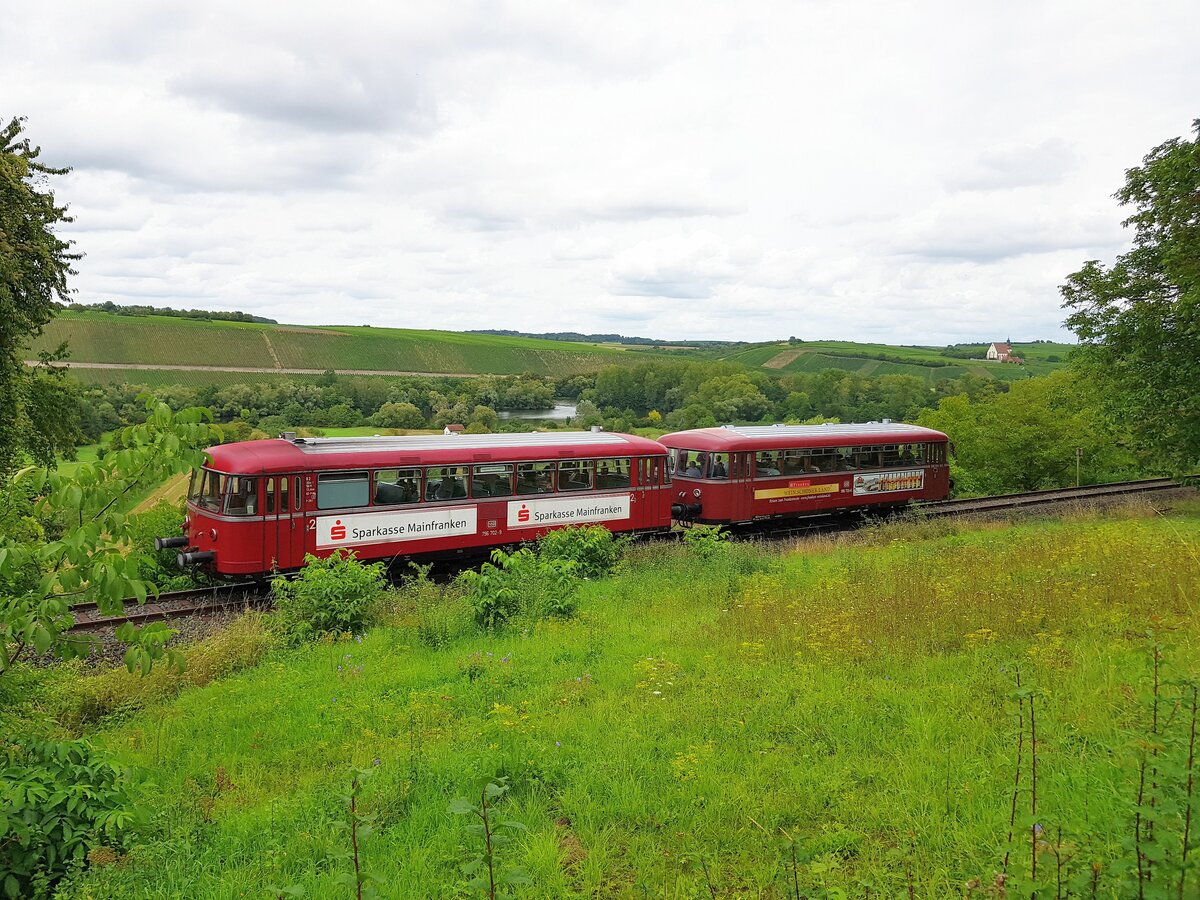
point(797, 489)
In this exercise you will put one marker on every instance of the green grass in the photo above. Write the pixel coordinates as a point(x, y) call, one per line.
point(814, 356)
point(693, 720)
point(161, 340)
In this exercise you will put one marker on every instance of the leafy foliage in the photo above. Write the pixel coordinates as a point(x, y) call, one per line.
point(1026, 439)
point(35, 407)
point(1139, 321)
point(75, 539)
point(483, 866)
point(593, 549)
point(706, 541)
point(334, 595)
point(520, 583)
point(58, 800)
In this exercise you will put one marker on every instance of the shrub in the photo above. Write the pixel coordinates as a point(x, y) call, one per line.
point(58, 801)
point(706, 541)
point(520, 583)
point(158, 566)
point(329, 596)
point(593, 549)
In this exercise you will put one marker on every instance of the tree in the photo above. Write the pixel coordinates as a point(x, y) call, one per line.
point(1139, 321)
point(1025, 439)
point(34, 265)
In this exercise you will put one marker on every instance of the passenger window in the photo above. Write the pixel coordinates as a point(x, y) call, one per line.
point(767, 463)
point(339, 490)
point(283, 495)
point(241, 496)
point(535, 478)
point(494, 480)
point(613, 473)
point(720, 466)
point(446, 483)
point(395, 486)
point(270, 496)
point(575, 474)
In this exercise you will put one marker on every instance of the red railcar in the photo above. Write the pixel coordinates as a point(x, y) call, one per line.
point(740, 474)
point(259, 506)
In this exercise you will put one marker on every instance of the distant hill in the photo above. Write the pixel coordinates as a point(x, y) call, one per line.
point(192, 350)
point(931, 363)
point(120, 341)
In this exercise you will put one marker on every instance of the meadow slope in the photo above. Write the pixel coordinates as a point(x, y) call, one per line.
point(841, 719)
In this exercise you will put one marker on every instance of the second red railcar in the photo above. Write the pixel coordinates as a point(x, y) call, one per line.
point(742, 474)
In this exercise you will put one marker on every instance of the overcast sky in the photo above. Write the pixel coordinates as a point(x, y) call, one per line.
point(904, 172)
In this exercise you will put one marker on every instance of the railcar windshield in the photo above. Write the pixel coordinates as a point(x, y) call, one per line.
point(206, 489)
point(241, 496)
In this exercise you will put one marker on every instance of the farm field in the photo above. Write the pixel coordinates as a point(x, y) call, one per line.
point(839, 718)
point(96, 337)
point(813, 356)
point(111, 345)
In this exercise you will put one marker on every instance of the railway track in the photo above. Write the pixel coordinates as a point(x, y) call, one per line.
point(1041, 498)
point(218, 598)
point(170, 604)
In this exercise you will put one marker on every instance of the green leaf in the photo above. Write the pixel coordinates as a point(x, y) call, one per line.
point(460, 806)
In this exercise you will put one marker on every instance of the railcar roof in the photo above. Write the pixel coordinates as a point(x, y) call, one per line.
point(310, 454)
point(781, 437)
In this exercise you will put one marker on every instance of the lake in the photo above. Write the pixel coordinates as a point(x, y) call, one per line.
point(560, 412)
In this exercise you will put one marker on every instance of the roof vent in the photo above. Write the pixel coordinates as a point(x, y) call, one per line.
point(887, 421)
point(596, 429)
point(287, 435)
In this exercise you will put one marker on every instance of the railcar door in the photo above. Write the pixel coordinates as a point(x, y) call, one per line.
point(741, 487)
point(283, 530)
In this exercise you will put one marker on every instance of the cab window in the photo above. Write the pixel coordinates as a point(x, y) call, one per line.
point(241, 496)
point(206, 489)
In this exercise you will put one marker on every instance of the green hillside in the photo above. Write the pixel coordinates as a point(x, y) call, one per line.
point(95, 337)
point(119, 343)
point(931, 363)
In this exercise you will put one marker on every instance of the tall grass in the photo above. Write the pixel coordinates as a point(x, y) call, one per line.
point(837, 717)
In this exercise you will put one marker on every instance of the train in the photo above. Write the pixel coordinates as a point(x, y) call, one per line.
point(257, 508)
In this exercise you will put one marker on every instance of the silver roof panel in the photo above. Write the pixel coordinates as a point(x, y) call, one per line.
point(833, 431)
point(458, 441)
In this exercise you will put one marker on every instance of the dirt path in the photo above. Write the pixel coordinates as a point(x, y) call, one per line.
point(779, 360)
point(172, 490)
point(251, 369)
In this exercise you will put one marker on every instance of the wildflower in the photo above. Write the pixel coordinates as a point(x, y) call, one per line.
point(558, 743)
point(335, 699)
point(504, 659)
point(339, 668)
point(375, 761)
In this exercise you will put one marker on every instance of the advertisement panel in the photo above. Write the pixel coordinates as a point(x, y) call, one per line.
point(381, 527)
point(797, 489)
point(889, 482)
point(567, 511)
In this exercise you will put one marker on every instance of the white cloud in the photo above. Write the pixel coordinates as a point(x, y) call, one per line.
point(926, 173)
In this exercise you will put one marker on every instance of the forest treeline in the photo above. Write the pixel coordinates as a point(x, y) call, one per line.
point(1008, 436)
